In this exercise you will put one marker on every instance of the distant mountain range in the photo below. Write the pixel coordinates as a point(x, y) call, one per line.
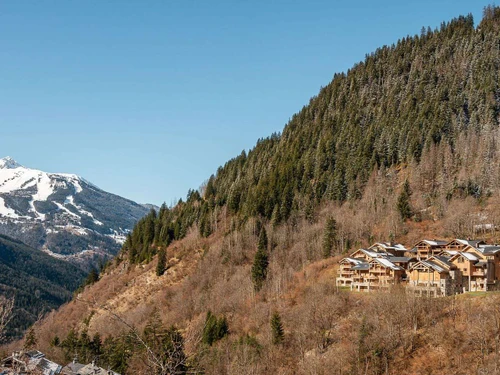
point(63, 214)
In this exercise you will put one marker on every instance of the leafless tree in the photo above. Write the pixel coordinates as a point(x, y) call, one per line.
point(154, 361)
point(6, 309)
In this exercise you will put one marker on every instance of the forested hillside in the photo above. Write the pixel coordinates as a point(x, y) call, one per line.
point(37, 282)
point(239, 277)
point(429, 101)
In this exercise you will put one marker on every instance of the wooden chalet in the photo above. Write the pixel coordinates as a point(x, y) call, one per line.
point(385, 273)
point(397, 250)
point(370, 269)
point(458, 244)
point(472, 271)
point(369, 254)
point(431, 267)
point(427, 248)
point(351, 270)
point(434, 276)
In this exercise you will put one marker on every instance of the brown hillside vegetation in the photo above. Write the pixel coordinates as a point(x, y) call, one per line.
point(326, 330)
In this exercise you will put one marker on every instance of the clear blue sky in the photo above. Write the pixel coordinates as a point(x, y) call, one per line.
point(147, 98)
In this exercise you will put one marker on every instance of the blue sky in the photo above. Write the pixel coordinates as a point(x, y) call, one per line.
point(147, 98)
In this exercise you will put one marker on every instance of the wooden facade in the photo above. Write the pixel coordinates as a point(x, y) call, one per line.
point(427, 248)
point(432, 267)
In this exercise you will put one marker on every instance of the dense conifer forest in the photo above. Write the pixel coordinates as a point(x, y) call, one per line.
point(37, 282)
point(433, 92)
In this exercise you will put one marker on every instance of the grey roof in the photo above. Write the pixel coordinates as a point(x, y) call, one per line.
point(488, 249)
point(430, 264)
point(92, 369)
point(389, 246)
point(400, 259)
point(432, 243)
point(361, 267)
point(387, 264)
point(443, 259)
point(73, 368)
point(434, 266)
point(474, 243)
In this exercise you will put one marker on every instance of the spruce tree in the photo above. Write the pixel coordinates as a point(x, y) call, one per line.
point(161, 266)
point(277, 329)
point(261, 262)
point(209, 330)
point(403, 205)
point(263, 242)
point(329, 237)
point(214, 329)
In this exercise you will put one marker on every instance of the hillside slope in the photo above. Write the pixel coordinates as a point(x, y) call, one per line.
point(417, 120)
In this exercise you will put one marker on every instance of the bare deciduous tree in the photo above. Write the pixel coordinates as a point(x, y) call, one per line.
point(6, 310)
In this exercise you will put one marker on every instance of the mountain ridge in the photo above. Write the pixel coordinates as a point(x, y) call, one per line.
point(63, 214)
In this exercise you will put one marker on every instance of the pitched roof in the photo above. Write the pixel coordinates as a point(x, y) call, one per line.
point(474, 243)
point(37, 360)
point(92, 369)
point(431, 265)
point(389, 246)
point(353, 260)
point(400, 259)
point(388, 264)
point(469, 256)
point(435, 242)
point(361, 267)
point(435, 266)
point(73, 368)
point(443, 259)
point(488, 249)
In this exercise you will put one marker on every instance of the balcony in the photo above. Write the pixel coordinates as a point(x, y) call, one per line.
point(480, 273)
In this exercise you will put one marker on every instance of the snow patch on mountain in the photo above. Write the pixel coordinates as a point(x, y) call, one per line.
point(63, 213)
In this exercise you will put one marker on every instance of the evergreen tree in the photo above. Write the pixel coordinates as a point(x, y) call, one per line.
point(214, 329)
point(403, 205)
point(263, 241)
point(208, 336)
point(161, 266)
point(261, 262)
point(277, 329)
point(55, 342)
point(92, 277)
point(329, 237)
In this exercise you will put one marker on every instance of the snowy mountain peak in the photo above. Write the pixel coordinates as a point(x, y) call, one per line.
point(9, 163)
point(61, 213)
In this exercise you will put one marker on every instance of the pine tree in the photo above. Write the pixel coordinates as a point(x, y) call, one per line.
point(161, 266)
point(277, 329)
point(261, 262)
point(329, 237)
point(403, 205)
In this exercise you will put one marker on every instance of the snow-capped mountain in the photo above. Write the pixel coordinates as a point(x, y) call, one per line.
point(63, 214)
